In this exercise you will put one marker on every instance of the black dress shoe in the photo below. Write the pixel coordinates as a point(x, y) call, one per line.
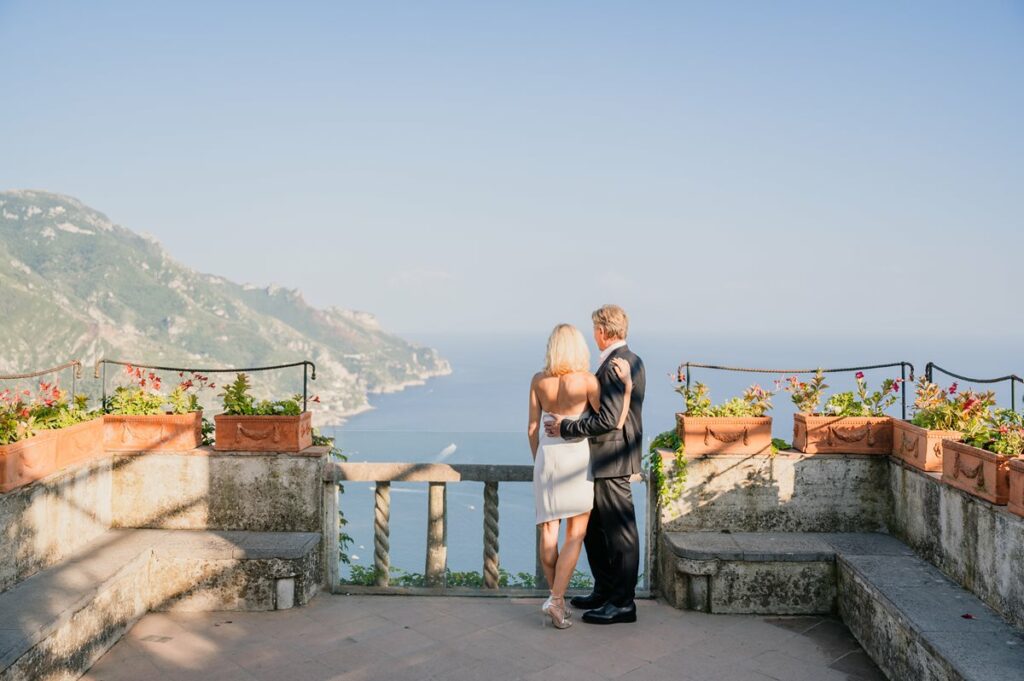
point(588, 602)
point(611, 614)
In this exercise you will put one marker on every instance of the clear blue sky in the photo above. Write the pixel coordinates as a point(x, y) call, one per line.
point(835, 168)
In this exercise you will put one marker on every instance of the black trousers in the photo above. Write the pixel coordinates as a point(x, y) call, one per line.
point(612, 541)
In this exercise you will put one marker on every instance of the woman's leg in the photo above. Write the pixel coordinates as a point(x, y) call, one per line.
point(549, 548)
point(575, 530)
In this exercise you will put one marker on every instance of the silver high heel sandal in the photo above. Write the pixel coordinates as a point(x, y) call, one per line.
point(556, 612)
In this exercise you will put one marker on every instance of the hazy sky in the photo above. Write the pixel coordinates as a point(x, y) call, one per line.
point(740, 168)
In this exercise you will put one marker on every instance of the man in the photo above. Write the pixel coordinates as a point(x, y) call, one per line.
point(612, 542)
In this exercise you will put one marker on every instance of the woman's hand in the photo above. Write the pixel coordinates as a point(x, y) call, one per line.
point(623, 372)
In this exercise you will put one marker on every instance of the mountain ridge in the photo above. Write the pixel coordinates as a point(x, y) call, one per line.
point(75, 284)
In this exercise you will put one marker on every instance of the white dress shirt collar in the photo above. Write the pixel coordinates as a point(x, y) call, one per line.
point(609, 350)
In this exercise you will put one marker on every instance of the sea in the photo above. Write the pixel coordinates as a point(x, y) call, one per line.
point(478, 414)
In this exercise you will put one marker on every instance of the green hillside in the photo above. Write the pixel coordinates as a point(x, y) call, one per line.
point(73, 284)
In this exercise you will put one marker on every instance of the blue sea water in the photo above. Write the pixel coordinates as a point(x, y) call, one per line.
point(478, 415)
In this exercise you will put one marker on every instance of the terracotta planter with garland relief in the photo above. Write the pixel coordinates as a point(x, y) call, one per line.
point(819, 434)
point(978, 472)
point(919, 447)
point(725, 434)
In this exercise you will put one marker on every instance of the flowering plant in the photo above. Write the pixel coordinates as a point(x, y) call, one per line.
point(239, 402)
point(756, 401)
point(806, 395)
point(948, 409)
point(144, 397)
point(862, 403)
point(1003, 433)
point(22, 415)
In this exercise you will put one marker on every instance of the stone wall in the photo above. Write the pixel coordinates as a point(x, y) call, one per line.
point(977, 544)
point(205, 489)
point(791, 492)
point(45, 521)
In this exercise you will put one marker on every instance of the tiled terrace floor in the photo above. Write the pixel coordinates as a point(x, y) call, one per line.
point(491, 639)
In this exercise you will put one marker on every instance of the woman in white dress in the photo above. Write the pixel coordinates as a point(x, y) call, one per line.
point(562, 486)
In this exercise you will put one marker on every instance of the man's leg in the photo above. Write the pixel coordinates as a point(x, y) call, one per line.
point(622, 539)
point(596, 543)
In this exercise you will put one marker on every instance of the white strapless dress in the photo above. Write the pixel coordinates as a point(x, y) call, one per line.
point(562, 486)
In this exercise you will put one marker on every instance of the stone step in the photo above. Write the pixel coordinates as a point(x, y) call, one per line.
point(917, 624)
point(55, 624)
point(908, 616)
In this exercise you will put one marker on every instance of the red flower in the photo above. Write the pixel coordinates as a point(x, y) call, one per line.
point(969, 402)
point(860, 375)
point(1003, 430)
point(952, 388)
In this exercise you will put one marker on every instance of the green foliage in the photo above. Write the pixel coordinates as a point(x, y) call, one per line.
point(143, 396)
point(239, 402)
point(756, 401)
point(367, 576)
point(669, 486)
point(949, 409)
point(23, 414)
point(806, 395)
point(863, 403)
point(1002, 432)
point(779, 445)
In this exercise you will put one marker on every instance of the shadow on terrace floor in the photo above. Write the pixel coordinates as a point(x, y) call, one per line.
point(347, 638)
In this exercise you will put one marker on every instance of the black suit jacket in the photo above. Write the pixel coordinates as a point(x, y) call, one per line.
point(614, 452)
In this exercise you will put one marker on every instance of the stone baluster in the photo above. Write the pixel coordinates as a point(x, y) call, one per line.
point(491, 535)
point(437, 535)
point(382, 532)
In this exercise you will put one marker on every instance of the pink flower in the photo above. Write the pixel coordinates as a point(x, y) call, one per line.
point(860, 376)
point(952, 388)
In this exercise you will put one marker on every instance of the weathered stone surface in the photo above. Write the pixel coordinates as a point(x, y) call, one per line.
point(791, 492)
point(749, 573)
point(979, 545)
point(42, 523)
point(55, 624)
point(269, 493)
point(774, 588)
point(915, 629)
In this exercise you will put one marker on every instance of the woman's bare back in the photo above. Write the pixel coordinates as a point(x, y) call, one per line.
point(567, 395)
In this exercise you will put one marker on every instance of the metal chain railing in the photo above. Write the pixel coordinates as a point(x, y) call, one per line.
point(75, 375)
point(904, 366)
point(1014, 379)
point(101, 373)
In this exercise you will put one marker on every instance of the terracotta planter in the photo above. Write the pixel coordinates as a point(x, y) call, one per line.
point(28, 460)
point(979, 472)
point(1016, 501)
point(80, 443)
point(919, 447)
point(157, 433)
point(724, 435)
point(263, 433)
point(816, 434)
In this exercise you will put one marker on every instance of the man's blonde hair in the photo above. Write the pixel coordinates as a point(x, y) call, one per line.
point(567, 351)
point(612, 320)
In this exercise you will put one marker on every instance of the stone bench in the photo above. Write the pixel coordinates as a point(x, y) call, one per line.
point(905, 613)
point(57, 623)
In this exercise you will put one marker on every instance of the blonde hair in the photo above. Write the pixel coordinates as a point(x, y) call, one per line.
point(612, 320)
point(567, 351)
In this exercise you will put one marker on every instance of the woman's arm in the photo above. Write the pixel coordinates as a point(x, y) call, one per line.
point(533, 426)
point(625, 374)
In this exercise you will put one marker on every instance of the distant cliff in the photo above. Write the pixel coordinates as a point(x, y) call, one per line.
point(73, 284)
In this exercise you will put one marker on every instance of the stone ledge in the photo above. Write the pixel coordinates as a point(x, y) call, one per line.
point(86, 602)
point(206, 450)
point(910, 620)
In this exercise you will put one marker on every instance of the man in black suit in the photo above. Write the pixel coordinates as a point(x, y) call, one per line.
point(612, 541)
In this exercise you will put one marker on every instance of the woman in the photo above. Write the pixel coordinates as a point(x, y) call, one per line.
point(561, 487)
